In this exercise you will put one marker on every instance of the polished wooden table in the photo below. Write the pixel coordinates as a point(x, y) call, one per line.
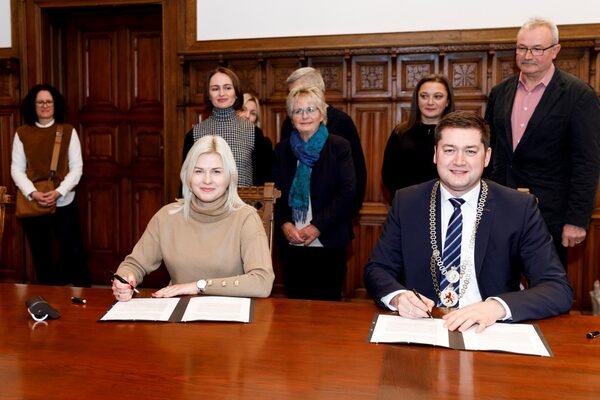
point(292, 350)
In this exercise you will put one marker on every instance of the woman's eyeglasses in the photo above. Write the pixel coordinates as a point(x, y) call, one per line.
point(307, 110)
point(43, 103)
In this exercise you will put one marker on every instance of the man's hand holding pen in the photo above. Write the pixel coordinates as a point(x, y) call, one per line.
point(123, 288)
point(412, 305)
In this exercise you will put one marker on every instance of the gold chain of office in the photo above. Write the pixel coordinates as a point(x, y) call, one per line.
point(436, 259)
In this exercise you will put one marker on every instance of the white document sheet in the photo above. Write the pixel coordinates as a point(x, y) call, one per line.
point(141, 310)
point(396, 329)
point(218, 308)
point(512, 338)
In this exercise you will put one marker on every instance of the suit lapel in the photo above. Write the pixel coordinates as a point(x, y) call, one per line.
point(509, 95)
point(551, 95)
point(483, 230)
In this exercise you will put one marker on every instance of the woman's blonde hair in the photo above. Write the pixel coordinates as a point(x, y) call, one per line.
point(205, 145)
point(313, 93)
point(250, 97)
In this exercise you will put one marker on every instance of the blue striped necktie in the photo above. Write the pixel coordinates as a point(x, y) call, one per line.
point(451, 256)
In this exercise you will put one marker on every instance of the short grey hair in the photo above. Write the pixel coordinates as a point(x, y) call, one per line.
point(313, 93)
point(204, 145)
point(310, 77)
point(536, 22)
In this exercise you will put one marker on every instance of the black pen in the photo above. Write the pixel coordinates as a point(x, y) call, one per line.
point(419, 297)
point(592, 334)
point(78, 300)
point(122, 280)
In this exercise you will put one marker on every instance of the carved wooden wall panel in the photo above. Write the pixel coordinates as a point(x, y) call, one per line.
point(277, 72)
point(371, 77)
point(575, 61)
point(374, 123)
point(503, 66)
point(198, 71)
point(411, 68)
point(250, 75)
point(467, 73)
point(334, 72)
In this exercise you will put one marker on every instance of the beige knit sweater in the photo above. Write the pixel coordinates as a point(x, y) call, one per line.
point(227, 248)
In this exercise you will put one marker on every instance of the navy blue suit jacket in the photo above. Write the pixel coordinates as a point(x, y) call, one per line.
point(558, 157)
point(332, 190)
point(511, 239)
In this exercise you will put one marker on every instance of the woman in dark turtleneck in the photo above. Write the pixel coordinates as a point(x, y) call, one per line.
point(252, 152)
point(408, 157)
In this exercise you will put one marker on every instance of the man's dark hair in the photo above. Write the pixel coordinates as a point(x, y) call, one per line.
point(464, 119)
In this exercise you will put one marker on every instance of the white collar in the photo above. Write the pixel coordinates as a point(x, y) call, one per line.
point(44, 126)
point(471, 197)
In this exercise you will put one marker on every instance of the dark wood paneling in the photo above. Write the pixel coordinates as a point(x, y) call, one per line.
point(375, 85)
point(115, 99)
point(361, 71)
point(12, 264)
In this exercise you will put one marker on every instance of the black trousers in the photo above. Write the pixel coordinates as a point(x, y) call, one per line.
point(315, 273)
point(64, 229)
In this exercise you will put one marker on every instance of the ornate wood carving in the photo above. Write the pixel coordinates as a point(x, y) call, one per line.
point(371, 76)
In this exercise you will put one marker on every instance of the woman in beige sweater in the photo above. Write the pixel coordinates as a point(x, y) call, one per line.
point(211, 242)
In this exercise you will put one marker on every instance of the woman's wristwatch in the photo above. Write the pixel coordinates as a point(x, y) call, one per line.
point(201, 285)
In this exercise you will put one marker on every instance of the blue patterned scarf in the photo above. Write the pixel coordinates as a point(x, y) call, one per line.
point(308, 154)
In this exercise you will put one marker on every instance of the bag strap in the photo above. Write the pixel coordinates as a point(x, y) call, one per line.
point(57, 141)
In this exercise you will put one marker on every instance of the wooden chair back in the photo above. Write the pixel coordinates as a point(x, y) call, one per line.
point(262, 198)
point(4, 200)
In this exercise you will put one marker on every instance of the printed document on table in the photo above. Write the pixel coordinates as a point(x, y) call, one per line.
point(217, 308)
point(396, 329)
point(513, 338)
point(141, 310)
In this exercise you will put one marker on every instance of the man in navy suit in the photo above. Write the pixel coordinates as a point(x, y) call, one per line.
point(503, 238)
point(545, 126)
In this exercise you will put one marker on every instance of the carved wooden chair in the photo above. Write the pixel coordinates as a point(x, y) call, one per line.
point(4, 200)
point(262, 198)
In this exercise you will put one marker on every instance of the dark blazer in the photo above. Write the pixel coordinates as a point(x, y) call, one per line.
point(339, 123)
point(332, 190)
point(511, 239)
point(558, 158)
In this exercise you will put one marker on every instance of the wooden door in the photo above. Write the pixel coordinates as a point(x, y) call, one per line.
point(114, 93)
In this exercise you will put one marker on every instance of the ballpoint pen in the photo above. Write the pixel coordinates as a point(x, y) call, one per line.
point(122, 280)
point(419, 297)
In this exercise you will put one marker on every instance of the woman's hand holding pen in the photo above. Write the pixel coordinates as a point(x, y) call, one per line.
point(123, 291)
point(409, 305)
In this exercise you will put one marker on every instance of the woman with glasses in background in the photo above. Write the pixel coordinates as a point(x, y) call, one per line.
point(315, 173)
point(43, 110)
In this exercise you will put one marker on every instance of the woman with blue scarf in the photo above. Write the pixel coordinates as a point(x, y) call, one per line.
point(315, 173)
